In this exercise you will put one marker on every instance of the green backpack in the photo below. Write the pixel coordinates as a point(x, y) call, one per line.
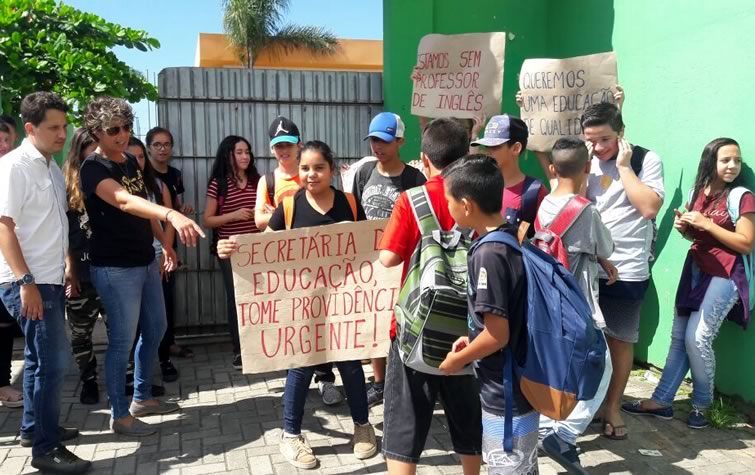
point(431, 313)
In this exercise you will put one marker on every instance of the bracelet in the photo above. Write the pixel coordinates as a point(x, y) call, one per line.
point(168, 214)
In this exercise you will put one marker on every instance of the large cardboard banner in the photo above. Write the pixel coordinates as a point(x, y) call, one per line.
point(459, 75)
point(313, 295)
point(555, 93)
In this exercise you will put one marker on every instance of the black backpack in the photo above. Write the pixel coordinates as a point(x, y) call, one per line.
point(637, 160)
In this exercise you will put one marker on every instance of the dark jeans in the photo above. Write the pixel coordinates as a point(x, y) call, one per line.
point(169, 294)
point(324, 373)
point(47, 355)
point(297, 385)
point(230, 303)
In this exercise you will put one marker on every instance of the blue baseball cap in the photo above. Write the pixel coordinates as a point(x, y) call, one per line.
point(501, 129)
point(387, 127)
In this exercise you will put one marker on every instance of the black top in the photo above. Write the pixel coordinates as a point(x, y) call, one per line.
point(79, 233)
point(118, 239)
point(175, 182)
point(497, 285)
point(378, 193)
point(305, 215)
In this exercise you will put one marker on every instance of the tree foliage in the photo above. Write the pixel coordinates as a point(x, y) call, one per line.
point(49, 46)
point(254, 25)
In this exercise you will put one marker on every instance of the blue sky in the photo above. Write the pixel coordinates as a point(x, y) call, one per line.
point(176, 24)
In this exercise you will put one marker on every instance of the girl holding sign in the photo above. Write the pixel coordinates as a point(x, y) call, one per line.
point(317, 203)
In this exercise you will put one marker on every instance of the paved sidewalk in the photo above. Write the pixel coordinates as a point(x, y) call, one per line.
point(230, 423)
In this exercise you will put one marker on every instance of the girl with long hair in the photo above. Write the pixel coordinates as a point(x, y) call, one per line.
point(720, 222)
point(231, 196)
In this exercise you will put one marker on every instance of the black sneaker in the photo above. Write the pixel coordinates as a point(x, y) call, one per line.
point(65, 434)
point(90, 392)
point(170, 373)
point(375, 394)
point(237, 362)
point(562, 453)
point(60, 460)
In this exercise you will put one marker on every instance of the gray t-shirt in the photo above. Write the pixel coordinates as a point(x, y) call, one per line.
point(380, 192)
point(585, 241)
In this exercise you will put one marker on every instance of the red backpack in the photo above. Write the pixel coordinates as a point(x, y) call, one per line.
point(548, 239)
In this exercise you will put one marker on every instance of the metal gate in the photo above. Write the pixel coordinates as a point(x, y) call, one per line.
point(201, 106)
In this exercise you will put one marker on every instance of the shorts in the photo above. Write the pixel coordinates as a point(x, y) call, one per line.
point(523, 458)
point(409, 402)
point(621, 304)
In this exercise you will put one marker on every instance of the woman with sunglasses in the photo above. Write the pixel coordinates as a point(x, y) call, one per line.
point(122, 260)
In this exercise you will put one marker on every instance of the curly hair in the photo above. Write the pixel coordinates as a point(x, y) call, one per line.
point(105, 111)
point(72, 168)
point(224, 168)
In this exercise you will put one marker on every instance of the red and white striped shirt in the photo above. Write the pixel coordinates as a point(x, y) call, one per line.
point(234, 200)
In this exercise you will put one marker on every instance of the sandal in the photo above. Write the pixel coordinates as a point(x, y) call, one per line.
point(612, 434)
point(13, 400)
point(181, 352)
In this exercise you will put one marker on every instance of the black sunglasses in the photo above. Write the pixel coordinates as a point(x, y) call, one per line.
point(113, 131)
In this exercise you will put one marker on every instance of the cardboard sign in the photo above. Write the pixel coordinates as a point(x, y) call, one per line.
point(555, 93)
point(313, 295)
point(460, 75)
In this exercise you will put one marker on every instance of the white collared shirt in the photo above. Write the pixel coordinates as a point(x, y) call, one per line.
point(33, 194)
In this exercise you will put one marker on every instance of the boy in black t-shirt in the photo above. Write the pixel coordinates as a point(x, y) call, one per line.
point(496, 314)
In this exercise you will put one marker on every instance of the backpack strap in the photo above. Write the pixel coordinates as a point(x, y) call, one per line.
point(363, 176)
point(568, 215)
point(288, 211)
point(424, 214)
point(531, 189)
point(352, 204)
point(734, 201)
point(270, 182)
point(638, 158)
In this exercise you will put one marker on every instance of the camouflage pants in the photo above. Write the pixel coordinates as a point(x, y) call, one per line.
point(82, 314)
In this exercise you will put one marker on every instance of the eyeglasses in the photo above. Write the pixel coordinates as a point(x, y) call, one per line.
point(162, 146)
point(113, 131)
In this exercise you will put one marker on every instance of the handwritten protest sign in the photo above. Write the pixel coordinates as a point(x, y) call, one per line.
point(313, 295)
point(555, 93)
point(459, 75)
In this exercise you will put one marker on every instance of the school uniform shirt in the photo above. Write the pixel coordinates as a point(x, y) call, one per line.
point(305, 215)
point(497, 285)
point(632, 234)
point(33, 195)
point(709, 254)
point(234, 200)
point(585, 241)
point(380, 192)
point(118, 239)
point(402, 234)
point(173, 179)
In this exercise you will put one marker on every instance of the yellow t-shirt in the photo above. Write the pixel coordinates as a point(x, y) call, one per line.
point(283, 187)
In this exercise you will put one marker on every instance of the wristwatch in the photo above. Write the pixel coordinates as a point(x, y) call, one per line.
point(26, 279)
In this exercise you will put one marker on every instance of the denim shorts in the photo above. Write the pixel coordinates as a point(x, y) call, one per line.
point(409, 402)
point(621, 304)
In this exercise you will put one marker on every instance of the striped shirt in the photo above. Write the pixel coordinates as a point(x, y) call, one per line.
point(234, 200)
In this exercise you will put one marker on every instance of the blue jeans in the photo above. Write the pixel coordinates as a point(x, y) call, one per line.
point(47, 357)
point(297, 385)
point(132, 296)
point(692, 346)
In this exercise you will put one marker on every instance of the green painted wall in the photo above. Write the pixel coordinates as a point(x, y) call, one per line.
point(687, 69)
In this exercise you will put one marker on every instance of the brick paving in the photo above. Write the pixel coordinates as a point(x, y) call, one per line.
point(230, 423)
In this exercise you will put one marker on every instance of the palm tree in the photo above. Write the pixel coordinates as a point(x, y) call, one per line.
point(254, 25)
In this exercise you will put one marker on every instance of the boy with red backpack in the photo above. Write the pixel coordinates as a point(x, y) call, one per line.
point(569, 228)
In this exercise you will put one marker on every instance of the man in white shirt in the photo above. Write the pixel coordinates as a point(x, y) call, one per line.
point(626, 185)
point(34, 242)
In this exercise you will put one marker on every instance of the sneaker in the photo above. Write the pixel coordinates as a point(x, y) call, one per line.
point(170, 373)
point(563, 453)
point(139, 409)
point(364, 442)
point(330, 394)
point(297, 452)
point(136, 429)
point(65, 434)
point(375, 394)
point(237, 362)
point(60, 460)
point(697, 419)
point(635, 408)
point(90, 392)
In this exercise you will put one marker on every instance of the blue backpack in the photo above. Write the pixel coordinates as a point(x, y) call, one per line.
point(565, 352)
